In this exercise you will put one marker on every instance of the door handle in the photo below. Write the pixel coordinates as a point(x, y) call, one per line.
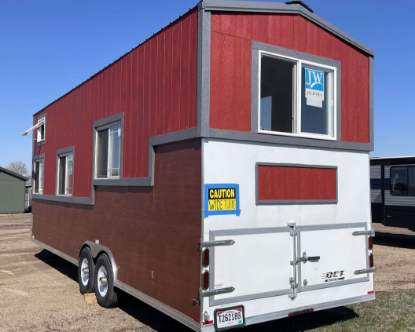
point(313, 258)
point(306, 258)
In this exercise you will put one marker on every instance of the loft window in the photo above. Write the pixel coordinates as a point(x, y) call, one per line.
point(296, 97)
point(108, 151)
point(65, 174)
point(38, 168)
point(41, 130)
point(402, 181)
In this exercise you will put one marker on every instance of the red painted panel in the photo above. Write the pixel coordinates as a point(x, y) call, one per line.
point(230, 83)
point(140, 114)
point(235, 24)
point(168, 47)
point(230, 97)
point(174, 120)
point(185, 72)
point(193, 69)
point(147, 85)
point(296, 183)
point(274, 30)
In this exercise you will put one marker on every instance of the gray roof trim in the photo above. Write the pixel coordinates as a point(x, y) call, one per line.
point(64, 199)
point(282, 8)
point(7, 171)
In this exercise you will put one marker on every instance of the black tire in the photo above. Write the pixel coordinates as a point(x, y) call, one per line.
point(107, 298)
point(89, 286)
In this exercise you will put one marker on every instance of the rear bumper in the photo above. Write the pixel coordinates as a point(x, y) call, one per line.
point(284, 313)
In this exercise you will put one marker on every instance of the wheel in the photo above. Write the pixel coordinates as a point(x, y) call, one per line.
point(86, 268)
point(104, 291)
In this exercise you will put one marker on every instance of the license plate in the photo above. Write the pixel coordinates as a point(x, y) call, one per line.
point(229, 318)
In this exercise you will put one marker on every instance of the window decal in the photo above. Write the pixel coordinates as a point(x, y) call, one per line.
point(314, 84)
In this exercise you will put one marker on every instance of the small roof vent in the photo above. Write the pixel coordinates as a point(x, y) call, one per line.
point(300, 3)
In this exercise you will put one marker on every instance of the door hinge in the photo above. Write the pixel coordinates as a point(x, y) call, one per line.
point(218, 291)
point(364, 271)
point(215, 243)
point(293, 279)
point(369, 232)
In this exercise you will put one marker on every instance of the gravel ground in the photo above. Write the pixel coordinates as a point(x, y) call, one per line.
point(39, 291)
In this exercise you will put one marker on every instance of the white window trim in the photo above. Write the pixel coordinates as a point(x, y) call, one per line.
point(298, 99)
point(41, 122)
point(41, 179)
point(66, 174)
point(101, 128)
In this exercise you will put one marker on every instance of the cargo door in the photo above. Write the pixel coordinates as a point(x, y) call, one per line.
point(257, 265)
point(330, 255)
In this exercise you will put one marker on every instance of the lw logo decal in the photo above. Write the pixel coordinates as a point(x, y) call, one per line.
point(333, 276)
point(314, 84)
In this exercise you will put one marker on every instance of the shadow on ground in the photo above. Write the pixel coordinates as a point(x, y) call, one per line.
point(395, 240)
point(163, 323)
point(59, 264)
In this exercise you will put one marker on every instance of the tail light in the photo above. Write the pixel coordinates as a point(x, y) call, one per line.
point(371, 262)
point(296, 313)
point(205, 258)
point(370, 242)
point(205, 280)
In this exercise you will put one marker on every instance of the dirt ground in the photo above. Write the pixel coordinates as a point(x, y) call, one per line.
point(39, 290)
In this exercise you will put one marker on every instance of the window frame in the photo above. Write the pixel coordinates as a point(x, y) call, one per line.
point(64, 154)
point(97, 130)
point(39, 139)
point(41, 160)
point(407, 177)
point(297, 97)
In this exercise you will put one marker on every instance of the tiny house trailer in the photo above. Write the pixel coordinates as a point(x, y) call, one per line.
point(219, 171)
point(392, 182)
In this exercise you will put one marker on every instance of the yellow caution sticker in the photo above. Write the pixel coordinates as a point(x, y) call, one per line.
point(221, 199)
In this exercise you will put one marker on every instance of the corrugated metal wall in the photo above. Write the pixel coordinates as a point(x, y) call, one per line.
point(230, 103)
point(154, 85)
point(12, 194)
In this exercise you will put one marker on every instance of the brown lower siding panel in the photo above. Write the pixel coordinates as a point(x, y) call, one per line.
point(146, 228)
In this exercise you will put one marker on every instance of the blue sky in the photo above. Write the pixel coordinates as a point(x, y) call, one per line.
point(49, 47)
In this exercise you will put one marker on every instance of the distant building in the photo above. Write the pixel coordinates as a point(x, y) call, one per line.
point(12, 191)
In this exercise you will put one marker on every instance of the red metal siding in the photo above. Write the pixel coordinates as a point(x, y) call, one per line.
point(232, 34)
point(296, 183)
point(154, 86)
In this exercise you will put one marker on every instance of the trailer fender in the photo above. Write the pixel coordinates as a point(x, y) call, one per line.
point(96, 250)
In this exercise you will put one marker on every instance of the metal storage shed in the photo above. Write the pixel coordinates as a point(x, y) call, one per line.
point(12, 192)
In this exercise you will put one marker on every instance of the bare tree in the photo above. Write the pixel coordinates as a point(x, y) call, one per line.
point(18, 167)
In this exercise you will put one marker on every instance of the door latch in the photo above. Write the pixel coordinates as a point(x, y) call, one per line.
point(306, 258)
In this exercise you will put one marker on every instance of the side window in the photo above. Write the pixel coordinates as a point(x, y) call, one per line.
point(65, 174)
point(108, 152)
point(41, 130)
point(317, 100)
point(399, 180)
point(38, 167)
point(277, 94)
point(411, 180)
